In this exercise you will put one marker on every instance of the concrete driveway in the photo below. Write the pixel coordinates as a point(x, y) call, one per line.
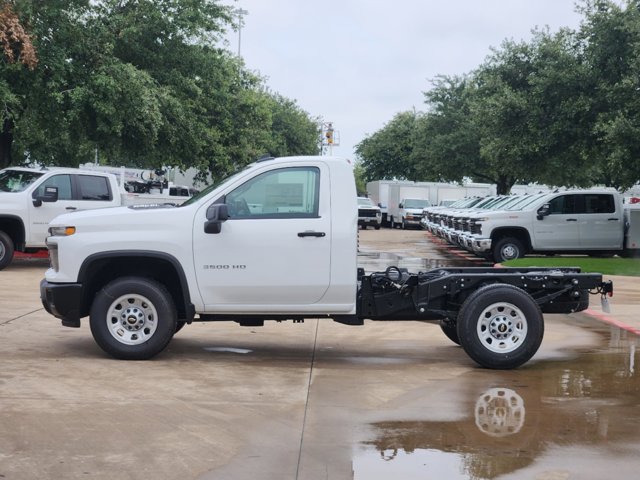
point(311, 401)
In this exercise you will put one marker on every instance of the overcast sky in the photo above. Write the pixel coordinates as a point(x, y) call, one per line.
point(359, 62)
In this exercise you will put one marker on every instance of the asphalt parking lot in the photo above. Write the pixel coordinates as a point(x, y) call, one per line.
point(315, 400)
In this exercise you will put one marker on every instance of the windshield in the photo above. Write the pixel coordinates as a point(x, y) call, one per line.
point(17, 180)
point(365, 202)
point(413, 203)
point(203, 193)
point(528, 200)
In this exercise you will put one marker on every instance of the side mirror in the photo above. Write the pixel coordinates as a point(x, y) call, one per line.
point(544, 211)
point(400, 206)
point(50, 195)
point(216, 214)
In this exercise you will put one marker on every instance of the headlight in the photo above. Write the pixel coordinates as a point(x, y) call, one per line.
point(61, 231)
point(53, 255)
point(480, 220)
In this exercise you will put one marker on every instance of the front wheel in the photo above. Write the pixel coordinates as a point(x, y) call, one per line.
point(507, 249)
point(133, 318)
point(6, 250)
point(500, 326)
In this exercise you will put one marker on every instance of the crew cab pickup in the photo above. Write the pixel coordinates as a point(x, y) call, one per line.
point(30, 198)
point(278, 241)
point(590, 222)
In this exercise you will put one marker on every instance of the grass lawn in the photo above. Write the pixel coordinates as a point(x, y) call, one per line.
point(606, 266)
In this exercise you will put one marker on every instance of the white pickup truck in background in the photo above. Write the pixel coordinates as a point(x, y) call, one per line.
point(594, 222)
point(278, 241)
point(30, 198)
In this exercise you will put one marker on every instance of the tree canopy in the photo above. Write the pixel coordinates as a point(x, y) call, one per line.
point(140, 83)
point(561, 109)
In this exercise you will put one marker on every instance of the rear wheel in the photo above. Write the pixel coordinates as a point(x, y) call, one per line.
point(450, 329)
point(6, 250)
point(500, 326)
point(133, 318)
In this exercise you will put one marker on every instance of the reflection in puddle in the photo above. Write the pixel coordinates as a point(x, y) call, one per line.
point(227, 349)
point(500, 412)
point(421, 464)
point(567, 409)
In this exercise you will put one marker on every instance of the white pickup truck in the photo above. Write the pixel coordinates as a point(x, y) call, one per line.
point(593, 222)
point(30, 198)
point(278, 241)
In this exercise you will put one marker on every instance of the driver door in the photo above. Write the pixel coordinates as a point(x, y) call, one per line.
point(274, 252)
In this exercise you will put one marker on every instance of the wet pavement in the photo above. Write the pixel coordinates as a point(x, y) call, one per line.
point(318, 400)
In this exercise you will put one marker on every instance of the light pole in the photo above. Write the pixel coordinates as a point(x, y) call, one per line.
point(241, 13)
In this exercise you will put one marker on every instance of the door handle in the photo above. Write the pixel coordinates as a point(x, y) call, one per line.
point(309, 233)
point(612, 219)
point(572, 219)
point(71, 208)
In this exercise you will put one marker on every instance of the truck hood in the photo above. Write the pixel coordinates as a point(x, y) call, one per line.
point(12, 199)
point(129, 216)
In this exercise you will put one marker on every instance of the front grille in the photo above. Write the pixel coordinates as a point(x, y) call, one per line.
point(475, 228)
point(367, 213)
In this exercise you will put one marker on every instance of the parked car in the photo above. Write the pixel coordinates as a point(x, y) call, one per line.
point(368, 213)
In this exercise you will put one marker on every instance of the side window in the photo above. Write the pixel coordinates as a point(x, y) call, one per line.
point(63, 182)
point(564, 205)
point(92, 187)
point(283, 193)
point(599, 203)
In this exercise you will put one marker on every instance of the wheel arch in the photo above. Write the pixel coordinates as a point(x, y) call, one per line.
point(519, 233)
point(101, 268)
point(13, 226)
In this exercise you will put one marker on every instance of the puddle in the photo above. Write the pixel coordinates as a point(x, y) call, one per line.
point(228, 349)
point(524, 423)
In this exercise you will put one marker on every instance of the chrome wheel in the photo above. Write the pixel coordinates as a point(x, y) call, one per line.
point(510, 252)
point(502, 327)
point(132, 319)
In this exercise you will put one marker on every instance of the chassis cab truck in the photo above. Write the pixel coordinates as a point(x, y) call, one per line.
point(278, 241)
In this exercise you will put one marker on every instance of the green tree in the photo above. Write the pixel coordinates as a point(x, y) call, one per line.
point(141, 83)
point(447, 142)
point(611, 33)
point(387, 154)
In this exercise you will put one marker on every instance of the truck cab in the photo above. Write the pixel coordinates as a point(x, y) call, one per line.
point(30, 198)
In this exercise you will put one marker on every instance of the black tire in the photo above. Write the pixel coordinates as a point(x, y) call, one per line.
point(180, 325)
point(507, 248)
point(6, 250)
point(133, 318)
point(450, 329)
point(500, 326)
point(377, 227)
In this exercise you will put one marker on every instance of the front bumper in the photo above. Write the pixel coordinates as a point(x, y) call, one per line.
point(481, 245)
point(62, 300)
point(375, 221)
